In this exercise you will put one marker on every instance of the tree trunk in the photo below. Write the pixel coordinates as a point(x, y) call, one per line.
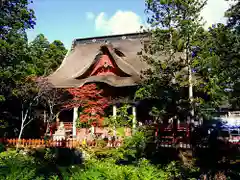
point(92, 131)
point(45, 121)
point(114, 131)
point(20, 135)
point(47, 128)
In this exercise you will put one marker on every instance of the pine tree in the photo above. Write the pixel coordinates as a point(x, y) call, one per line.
point(171, 52)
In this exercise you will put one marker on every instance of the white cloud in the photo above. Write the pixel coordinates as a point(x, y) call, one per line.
point(128, 22)
point(90, 15)
point(121, 22)
point(214, 11)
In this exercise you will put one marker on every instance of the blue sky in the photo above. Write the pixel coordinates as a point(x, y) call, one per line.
point(66, 20)
point(69, 19)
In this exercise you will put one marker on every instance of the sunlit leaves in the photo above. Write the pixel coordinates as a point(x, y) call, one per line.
point(45, 57)
point(233, 15)
point(122, 118)
point(89, 98)
point(176, 24)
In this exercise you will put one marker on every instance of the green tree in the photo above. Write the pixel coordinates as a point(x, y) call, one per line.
point(20, 60)
point(46, 57)
point(233, 15)
point(171, 78)
point(218, 63)
point(15, 19)
point(43, 59)
point(28, 95)
point(56, 54)
point(38, 52)
point(122, 119)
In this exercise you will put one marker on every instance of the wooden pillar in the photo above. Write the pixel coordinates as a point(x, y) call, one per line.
point(75, 116)
point(114, 116)
point(114, 110)
point(57, 117)
point(92, 130)
point(134, 120)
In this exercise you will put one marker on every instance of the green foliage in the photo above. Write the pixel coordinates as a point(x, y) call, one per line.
point(217, 63)
point(105, 153)
point(50, 155)
point(98, 170)
point(101, 143)
point(233, 15)
point(2, 98)
point(120, 131)
point(46, 57)
point(15, 18)
point(122, 119)
point(53, 178)
point(3, 124)
point(134, 146)
point(132, 149)
point(16, 166)
point(179, 47)
point(27, 166)
point(176, 170)
point(2, 147)
point(107, 169)
point(20, 60)
point(176, 27)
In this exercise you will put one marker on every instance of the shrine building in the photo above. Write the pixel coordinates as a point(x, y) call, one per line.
point(111, 62)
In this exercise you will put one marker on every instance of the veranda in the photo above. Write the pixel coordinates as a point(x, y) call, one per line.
point(65, 129)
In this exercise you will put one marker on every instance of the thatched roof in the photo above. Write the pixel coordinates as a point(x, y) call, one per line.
point(123, 50)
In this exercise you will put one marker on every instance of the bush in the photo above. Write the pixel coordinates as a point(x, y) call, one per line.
point(133, 147)
point(107, 169)
point(101, 143)
point(103, 153)
point(131, 150)
point(17, 166)
point(176, 170)
point(2, 147)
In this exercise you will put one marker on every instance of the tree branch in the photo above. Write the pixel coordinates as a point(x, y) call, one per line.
point(28, 122)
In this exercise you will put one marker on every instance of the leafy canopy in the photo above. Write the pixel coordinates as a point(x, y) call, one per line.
point(89, 98)
point(175, 24)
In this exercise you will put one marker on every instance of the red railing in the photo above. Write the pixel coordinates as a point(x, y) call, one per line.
point(59, 143)
point(68, 125)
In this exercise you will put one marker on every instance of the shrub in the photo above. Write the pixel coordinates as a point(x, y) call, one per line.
point(50, 155)
point(101, 143)
point(17, 166)
point(133, 147)
point(107, 169)
point(2, 147)
point(175, 170)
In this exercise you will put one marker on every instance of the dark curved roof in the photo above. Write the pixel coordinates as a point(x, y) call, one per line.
point(83, 54)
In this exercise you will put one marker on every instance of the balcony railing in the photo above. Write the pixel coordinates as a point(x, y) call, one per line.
point(68, 125)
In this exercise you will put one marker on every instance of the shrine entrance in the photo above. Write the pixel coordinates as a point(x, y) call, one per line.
point(66, 116)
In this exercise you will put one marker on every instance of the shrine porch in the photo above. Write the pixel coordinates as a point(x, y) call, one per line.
point(70, 130)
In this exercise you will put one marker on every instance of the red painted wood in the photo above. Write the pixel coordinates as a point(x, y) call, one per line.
point(104, 66)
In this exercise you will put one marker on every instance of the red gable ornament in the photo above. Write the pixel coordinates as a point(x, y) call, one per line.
point(104, 66)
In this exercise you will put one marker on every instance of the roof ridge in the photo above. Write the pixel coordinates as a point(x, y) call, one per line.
point(97, 39)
